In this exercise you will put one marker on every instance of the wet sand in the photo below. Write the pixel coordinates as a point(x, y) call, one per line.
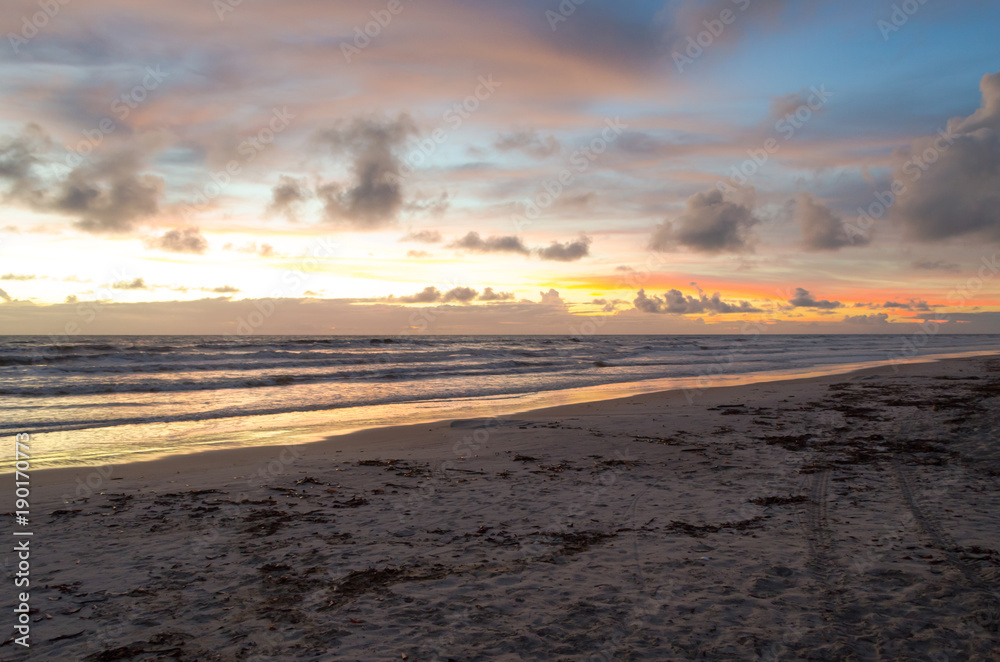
point(843, 517)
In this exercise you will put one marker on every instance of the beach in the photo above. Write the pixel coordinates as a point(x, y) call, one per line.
point(852, 516)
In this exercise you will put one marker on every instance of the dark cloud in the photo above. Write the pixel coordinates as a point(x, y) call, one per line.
point(137, 284)
point(473, 242)
point(106, 194)
point(912, 304)
point(936, 265)
point(188, 240)
point(566, 252)
point(417, 254)
point(822, 230)
point(19, 155)
point(422, 236)
point(952, 182)
point(676, 303)
point(607, 306)
point(529, 142)
point(225, 289)
point(429, 294)
point(710, 224)
point(110, 196)
point(460, 294)
point(286, 195)
point(489, 295)
point(18, 277)
point(803, 299)
point(375, 197)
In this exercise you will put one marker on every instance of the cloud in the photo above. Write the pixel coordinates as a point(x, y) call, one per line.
point(110, 196)
point(567, 252)
point(913, 304)
point(529, 142)
point(560, 252)
point(460, 294)
point(607, 306)
point(417, 254)
point(106, 194)
point(803, 299)
point(422, 236)
point(137, 284)
point(375, 197)
point(287, 195)
point(432, 206)
point(473, 242)
point(489, 295)
point(18, 277)
point(676, 303)
point(951, 180)
point(822, 230)
point(19, 155)
point(72, 298)
point(936, 265)
point(575, 201)
point(188, 240)
point(429, 294)
point(551, 298)
point(878, 318)
point(225, 289)
point(710, 224)
point(5, 296)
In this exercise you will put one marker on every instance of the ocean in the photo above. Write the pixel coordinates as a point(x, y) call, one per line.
point(110, 399)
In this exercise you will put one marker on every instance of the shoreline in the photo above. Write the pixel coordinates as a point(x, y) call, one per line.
point(245, 456)
point(849, 516)
point(195, 427)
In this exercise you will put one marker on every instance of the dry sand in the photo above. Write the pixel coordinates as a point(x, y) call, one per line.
point(852, 517)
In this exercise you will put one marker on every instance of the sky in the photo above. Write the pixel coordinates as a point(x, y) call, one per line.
point(444, 166)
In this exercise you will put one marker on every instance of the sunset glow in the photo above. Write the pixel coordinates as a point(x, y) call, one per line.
point(625, 162)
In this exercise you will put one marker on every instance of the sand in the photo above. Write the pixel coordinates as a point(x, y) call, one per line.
point(848, 517)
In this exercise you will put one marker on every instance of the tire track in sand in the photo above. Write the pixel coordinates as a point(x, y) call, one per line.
point(824, 566)
point(985, 587)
